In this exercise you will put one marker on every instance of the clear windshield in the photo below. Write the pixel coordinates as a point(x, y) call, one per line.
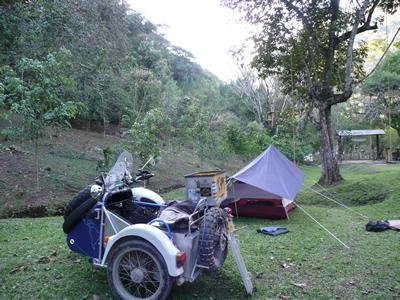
point(122, 166)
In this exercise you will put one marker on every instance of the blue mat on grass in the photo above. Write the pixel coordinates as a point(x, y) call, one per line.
point(273, 230)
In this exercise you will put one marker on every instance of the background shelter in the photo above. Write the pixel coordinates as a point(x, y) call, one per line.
point(360, 136)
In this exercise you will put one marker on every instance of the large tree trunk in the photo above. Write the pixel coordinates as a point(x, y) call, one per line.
point(330, 169)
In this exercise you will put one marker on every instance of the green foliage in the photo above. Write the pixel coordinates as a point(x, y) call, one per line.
point(142, 139)
point(202, 132)
point(104, 165)
point(391, 138)
point(118, 72)
point(383, 87)
point(36, 92)
point(122, 69)
point(386, 79)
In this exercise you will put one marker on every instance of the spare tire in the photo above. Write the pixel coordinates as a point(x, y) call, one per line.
point(77, 215)
point(213, 246)
point(78, 199)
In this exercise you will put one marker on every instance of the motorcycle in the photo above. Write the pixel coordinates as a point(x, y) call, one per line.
point(145, 243)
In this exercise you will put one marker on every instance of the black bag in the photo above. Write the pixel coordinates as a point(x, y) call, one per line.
point(377, 226)
point(137, 214)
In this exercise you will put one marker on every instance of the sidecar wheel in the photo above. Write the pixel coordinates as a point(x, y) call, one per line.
point(213, 247)
point(136, 270)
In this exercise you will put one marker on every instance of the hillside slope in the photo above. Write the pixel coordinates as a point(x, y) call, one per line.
point(68, 162)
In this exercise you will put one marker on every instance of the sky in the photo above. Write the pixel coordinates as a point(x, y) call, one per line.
point(210, 31)
point(203, 27)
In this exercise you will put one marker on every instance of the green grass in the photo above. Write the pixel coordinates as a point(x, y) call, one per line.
point(304, 264)
point(178, 194)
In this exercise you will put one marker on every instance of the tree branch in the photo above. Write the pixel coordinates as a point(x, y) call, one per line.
point(334, 8)
point(365, 27)
point(339, 98)
point(306, 23)
point(349, 56)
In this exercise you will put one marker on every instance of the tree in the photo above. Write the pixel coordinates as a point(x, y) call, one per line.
point(383, 88)
point(37, 93)
point(203, 135)
point(310, 44)
point(262, 96)
point(142, 139)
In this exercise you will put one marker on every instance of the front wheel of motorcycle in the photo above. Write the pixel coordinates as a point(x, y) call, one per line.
point(136, 270)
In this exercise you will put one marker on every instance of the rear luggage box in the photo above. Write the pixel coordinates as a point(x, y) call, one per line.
point(210, 184)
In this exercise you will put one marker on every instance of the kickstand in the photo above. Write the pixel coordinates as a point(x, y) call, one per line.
point(237, 256)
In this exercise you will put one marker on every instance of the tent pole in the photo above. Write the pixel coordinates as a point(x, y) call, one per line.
point(236, 210)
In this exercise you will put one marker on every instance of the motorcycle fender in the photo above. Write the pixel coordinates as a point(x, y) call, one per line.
point(154, 236)
point(141, 192)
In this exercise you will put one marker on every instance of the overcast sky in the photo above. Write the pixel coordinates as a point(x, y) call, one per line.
point(202, 27)
point(210, 31)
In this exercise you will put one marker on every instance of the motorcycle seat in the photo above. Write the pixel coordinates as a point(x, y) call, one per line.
point(177, 214)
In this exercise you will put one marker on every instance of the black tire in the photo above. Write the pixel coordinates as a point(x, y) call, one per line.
point(213, 246)
point(78, 199)
point(77, 214)
point(124, 274)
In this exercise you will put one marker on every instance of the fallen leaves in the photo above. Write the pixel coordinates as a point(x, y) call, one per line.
point(288, 265)
point(18, 268)
point(300, 285)
point(43, 260)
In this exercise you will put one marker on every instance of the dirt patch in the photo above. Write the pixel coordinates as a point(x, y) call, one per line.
point(17, 176)
point(18, 194)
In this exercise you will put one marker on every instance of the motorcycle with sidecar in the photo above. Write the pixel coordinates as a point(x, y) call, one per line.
point(145, 243)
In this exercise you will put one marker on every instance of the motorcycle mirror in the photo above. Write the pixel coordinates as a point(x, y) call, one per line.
point(95, 191)
point(151, 160)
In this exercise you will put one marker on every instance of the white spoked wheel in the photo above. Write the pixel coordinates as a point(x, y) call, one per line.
point(138, 271)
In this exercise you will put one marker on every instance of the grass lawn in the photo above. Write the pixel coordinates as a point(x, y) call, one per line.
point(303, 264)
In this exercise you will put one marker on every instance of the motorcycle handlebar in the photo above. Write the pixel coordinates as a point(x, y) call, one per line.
point(145, 176)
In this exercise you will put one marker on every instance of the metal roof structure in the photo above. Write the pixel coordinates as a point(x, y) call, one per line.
point(360, 132)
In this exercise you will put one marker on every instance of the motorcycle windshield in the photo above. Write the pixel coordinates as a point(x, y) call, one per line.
point(121, 167)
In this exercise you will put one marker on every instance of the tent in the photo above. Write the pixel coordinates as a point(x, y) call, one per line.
point(266, 187)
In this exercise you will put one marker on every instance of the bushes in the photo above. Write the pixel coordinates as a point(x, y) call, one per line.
point(252, 139)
